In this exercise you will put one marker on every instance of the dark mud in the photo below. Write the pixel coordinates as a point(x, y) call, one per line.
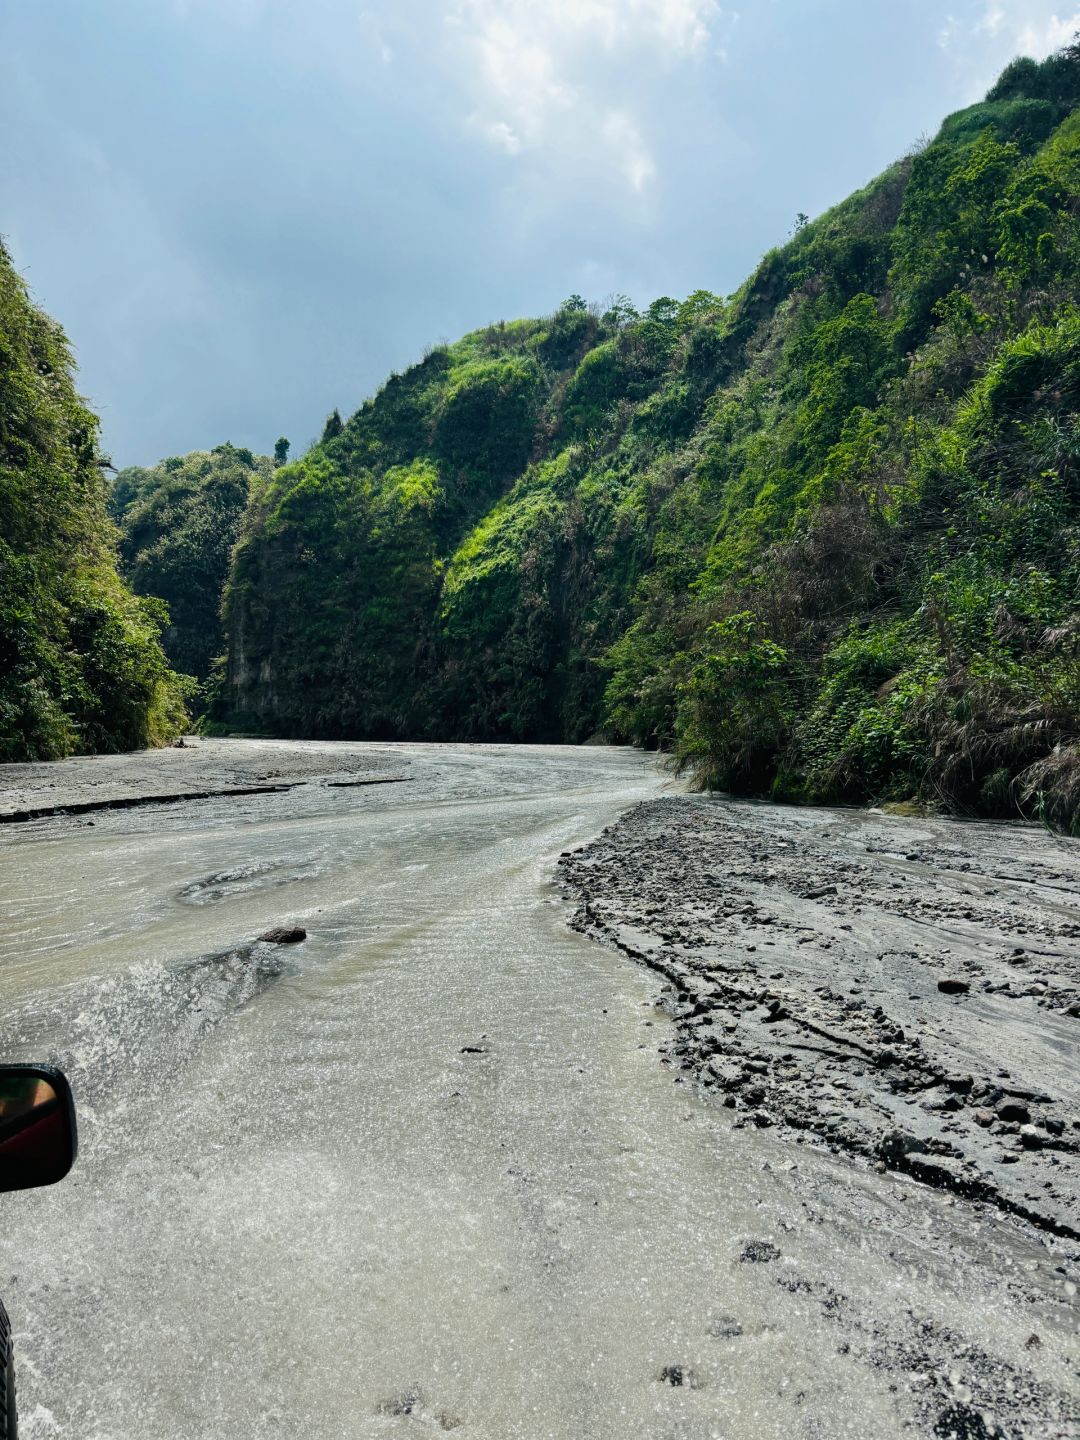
point(906, 991)
point(903, 992)
point(132, 802)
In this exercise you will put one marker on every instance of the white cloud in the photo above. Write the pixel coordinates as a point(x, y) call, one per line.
point(371, 23)
point(553, 75)
point(629, 150)
point(684, 25)
point(1013, 27)
point(1041, 38)
point(500, 134)
point(518, 67)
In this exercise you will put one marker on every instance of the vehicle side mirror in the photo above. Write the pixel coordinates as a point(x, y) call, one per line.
point(38, 1139)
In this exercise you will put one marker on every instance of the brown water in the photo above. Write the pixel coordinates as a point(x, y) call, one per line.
point(425, 1173)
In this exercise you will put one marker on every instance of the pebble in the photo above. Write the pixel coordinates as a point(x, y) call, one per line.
point(759, 1252)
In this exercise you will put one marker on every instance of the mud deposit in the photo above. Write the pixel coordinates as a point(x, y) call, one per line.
point(420, 1172)
point(904, 992)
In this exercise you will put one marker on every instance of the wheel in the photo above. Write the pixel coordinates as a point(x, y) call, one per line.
point(9, 1422)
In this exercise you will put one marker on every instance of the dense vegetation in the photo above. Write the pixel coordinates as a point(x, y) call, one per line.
point(178, 522)
point(81, 666)
point(820, 537)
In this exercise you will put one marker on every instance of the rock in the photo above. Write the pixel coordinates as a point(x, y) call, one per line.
point(726, 1072)
point(725, 1327)
point(1030, 1137)
point(894, 1145)
point(284, 935)
point(1013, 1111)
point(935, 1101)
point(759, 1252)
point(943, 1172)
point(1052, 1125)
point(953, 986)
point(963, 1422)
point(680, 1375)
point(983, 1118)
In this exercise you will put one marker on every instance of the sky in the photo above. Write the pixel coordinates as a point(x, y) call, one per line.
point(246, 213)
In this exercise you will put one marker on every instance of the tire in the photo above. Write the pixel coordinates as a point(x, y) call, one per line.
point(9, 1424)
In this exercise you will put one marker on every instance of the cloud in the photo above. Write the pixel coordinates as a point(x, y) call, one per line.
point(552, 78)
point(518, 68)
point(1041, 38)
point(375, 32)
point(500, 134)
point(630, 151)
point(1012, 27)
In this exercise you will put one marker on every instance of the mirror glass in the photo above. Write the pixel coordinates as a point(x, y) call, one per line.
point(36, 1138)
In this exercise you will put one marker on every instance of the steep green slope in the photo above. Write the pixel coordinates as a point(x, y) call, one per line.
point(81, 666)
point(178, 522)
point(411, 575)
point(822, 537)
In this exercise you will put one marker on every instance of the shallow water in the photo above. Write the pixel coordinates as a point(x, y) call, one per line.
point(423, 1173)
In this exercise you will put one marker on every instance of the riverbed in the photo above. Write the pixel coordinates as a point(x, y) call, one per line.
point(426, 1171)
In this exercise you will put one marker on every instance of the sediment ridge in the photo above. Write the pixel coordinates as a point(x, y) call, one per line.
point(903, 990)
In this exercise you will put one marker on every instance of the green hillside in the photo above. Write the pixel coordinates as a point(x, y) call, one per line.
point(820, 537)
point(81, 666)
point(178, 522)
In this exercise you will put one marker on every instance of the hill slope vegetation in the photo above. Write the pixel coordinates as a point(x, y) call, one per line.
point(81, 666)
point(178, 522)
point(820, 537)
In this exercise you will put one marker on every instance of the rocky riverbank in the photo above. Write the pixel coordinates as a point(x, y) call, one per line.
point(903, 990)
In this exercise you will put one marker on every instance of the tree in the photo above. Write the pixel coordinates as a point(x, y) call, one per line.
point(281, 450)
point(333, 427)
point(621, 311)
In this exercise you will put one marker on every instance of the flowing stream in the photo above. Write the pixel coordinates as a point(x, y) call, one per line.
point(423, 1173)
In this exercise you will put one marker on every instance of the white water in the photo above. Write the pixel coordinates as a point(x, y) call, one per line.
point(302, 1210)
